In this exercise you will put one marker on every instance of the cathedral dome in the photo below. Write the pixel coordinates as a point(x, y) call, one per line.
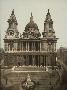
point(31, 24)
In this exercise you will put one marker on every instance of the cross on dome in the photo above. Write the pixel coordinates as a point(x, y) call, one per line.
point(12, 12)
point(31, 18)
point(48, 12)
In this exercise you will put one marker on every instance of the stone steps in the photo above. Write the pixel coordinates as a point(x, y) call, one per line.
point(29, 68)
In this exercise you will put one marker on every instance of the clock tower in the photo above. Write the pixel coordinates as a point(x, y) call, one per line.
point(49, 33)
point(49, 40)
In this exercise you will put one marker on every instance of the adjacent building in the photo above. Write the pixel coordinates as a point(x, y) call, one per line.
point(62, 54)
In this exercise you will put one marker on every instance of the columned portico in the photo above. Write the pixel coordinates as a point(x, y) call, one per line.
point(38, 60)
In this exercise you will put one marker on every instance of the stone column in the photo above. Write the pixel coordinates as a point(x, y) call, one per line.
point(22, 46)
point(15, 46)
point(9, 47)
point(38, 60)
point(27, 60)
point(43, 61)
point(55, 46)
point(33, 57)
point(28, 46)
point(32, 46)
point(12, 47)
point(40, 46)
point(6, 46)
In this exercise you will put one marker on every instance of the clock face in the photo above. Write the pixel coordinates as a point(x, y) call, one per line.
point(11, 33)
point(50, 34)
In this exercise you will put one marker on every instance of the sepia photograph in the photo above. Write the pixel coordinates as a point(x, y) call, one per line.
point(33, 44)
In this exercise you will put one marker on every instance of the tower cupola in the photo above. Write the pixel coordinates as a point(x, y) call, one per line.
point(12, 21)
point(48, 26)
point(48, 16)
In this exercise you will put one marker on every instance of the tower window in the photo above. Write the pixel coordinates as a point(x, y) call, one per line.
point(10, 33)
point(50, 25)
point(50, 31)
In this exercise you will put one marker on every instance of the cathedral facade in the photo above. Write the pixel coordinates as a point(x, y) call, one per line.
point(30, 48)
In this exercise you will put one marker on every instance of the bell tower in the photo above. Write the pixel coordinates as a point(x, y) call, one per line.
point(49, 40)
point(12, 31)
point(49, 33)
point(12, 34)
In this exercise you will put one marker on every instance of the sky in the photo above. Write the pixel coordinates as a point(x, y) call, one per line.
point(23, 9)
